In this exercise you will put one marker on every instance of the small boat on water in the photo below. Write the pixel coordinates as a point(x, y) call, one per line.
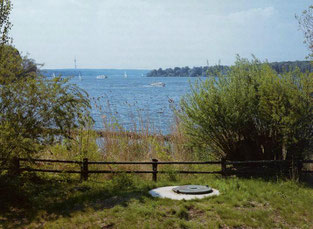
point(125, 75)
point(158, 84)
point(80, 76)
point(100, 77)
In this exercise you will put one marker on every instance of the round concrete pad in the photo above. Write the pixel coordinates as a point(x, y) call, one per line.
point(167, 192)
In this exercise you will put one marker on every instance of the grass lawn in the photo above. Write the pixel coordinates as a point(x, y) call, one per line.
point(123, 202)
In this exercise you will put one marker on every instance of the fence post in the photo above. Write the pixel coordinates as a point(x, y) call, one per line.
point(299, 168)
point(15, 167)
point(154, 169)
point(223, 166)
point(84, 170)
point(295, 168)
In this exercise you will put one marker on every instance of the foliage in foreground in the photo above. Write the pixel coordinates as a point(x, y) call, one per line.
point(251, 113)
point(123, 202)
point(34, 111)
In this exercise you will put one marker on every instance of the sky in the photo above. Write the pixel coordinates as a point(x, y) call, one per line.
point(149, 34)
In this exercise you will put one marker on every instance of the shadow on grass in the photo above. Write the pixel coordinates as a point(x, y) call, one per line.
point(270, 173)
point(307, 179)
point(30, 198)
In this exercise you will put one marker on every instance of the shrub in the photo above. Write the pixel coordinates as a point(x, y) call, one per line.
point(250, 113)
point(36, 111)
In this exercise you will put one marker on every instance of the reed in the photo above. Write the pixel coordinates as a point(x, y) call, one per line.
point(141, 140)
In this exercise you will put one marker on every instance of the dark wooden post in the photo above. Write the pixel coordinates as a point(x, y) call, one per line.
point(294, 169)
point(15, 167)
point(154, 169)
point(299, 168)
point(223, 166)
point(84, 170)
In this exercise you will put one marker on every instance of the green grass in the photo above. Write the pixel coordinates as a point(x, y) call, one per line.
point(123, 202)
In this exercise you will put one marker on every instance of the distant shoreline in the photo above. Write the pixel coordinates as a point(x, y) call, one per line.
point(206, 71)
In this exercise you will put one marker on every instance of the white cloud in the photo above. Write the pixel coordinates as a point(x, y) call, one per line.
point(251, 15)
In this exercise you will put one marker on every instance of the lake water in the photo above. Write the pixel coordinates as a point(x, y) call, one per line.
point(130, 100)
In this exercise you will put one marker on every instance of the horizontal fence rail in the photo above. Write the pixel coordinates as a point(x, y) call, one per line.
point(48, 170)
point(151, 162)
point(266, 162)
point(15, 167)
point(50, 160)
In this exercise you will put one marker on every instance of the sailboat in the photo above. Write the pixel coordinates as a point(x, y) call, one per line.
point(75, 66)
point(125, 75)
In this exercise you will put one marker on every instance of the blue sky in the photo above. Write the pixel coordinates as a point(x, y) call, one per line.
point(150, 34)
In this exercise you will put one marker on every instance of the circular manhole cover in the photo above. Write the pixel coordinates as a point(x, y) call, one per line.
point(193, 189)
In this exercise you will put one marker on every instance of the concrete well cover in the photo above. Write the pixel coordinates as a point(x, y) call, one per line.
point(167, 192)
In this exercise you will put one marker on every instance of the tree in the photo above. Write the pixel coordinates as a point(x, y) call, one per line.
point(306, 25)
point(5, 24)
point(34, 110)
point(13, 66)
point(251, 113)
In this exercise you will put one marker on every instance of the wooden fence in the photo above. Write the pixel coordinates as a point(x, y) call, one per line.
point(238, 167)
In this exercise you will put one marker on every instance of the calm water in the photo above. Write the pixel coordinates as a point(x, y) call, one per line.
point(130, 100)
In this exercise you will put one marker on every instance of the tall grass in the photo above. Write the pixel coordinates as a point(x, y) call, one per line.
point(139, 141)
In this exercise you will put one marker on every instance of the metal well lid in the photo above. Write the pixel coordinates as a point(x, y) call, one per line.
point(193, 189)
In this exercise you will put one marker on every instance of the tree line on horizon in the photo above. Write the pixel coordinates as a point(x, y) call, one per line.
point(279, 67)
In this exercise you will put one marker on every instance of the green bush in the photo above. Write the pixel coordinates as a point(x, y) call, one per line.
point(250, 113)
point(36, 111)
